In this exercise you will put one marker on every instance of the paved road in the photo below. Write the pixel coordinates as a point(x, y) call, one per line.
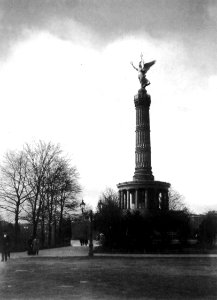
point(53, 278)
point(76, 250)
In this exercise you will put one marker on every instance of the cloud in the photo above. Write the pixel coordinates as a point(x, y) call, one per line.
point(101, 22)
point(107, 17)
point(68, 79)
point(212, 10)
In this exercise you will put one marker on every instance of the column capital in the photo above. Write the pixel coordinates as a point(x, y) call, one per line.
point(142, 98)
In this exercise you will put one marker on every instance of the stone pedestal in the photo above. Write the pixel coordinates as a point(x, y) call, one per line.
point(144, 195)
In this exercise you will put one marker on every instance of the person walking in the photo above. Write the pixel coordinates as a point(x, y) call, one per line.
point(29, 243)
point(35, 245)
point(5, 243)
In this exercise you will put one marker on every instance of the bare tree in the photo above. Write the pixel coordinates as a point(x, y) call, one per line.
point(176, 201)
point(69, 189)
point(107, 220)
point(61, 190)
point(109, 195)
point(39, 183)
point(39, 157)
point(13, 185)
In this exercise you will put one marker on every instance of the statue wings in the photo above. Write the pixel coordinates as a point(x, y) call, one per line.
point(148, 65)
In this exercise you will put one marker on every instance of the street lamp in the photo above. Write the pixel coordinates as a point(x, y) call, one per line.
point(90, 214)
point(100, 205)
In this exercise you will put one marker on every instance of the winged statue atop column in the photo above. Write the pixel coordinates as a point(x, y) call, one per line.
point(142, 70)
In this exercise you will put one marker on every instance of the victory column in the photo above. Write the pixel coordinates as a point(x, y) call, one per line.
point(143, 193)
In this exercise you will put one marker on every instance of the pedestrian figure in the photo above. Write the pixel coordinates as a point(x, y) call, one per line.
point(35, 246)
point(30, 251)
point(5, 246)
point(102, 239)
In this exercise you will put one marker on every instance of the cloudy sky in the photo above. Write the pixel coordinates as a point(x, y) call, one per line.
point(65, 77)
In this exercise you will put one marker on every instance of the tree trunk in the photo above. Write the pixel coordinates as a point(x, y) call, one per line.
point(16, 230)
point(42, 233)
point(60, 237)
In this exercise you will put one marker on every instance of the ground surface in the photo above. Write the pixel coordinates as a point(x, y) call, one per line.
point(67, 273)
point(108, 278)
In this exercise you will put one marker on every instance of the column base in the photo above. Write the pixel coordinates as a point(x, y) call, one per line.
point(140, 176)
point(146, 195)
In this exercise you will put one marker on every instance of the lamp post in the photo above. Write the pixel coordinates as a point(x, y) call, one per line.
point(100, 205)
point(91, 235)
point(90, 214)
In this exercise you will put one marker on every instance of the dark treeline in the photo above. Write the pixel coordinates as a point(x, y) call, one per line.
point(134, 231)
point(39, 186)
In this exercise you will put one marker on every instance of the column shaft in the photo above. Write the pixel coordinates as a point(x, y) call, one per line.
point(136, 199)
point(128, 199)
